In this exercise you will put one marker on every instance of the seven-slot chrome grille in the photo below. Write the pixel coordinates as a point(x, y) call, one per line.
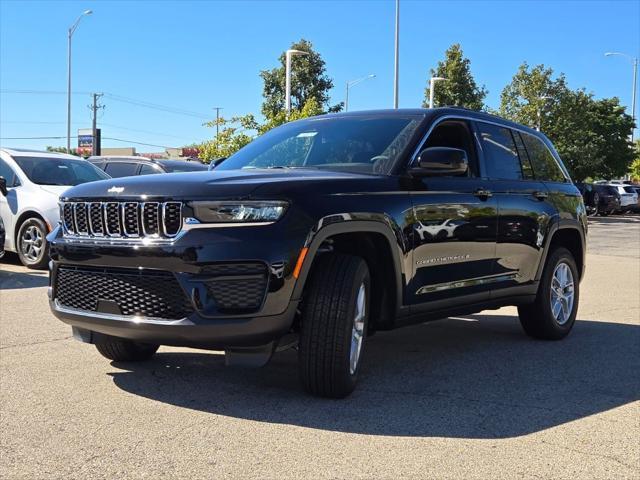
point(122, 219)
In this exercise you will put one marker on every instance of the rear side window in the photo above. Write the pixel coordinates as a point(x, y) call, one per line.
point(501, 154)
point(544, 164)
point(121, 169)
point(149, 169)
point(527, 170)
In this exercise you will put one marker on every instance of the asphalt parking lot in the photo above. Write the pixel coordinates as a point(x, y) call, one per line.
point(468, 397)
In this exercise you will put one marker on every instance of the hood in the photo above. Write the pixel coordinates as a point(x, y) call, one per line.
point(56, 190)
point(209, 184)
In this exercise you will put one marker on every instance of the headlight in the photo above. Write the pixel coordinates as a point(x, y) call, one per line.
point(238, 212)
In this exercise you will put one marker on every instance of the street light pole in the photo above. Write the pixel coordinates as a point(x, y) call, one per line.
point(397, 57)
point(432, 87)
point(69, 35)
point(287, 87)
point(353, 83)
point(634, 62)
point(544, 99)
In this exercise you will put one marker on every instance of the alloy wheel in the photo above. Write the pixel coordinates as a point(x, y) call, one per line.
point(562, 293)
point(357, 330)
point(32, 243)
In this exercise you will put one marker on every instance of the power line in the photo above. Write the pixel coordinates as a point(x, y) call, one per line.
point(119, 98)
point(104, 138)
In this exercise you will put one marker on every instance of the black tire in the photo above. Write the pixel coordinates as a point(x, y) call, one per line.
point(328, 312)
point(122, 350)
point(33, 230)
point(537, 319)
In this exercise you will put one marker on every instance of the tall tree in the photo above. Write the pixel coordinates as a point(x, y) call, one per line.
point(459, 88)
point(532, 93)
point(308, 80)
point(590, 135)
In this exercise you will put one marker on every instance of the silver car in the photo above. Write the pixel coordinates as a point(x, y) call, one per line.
point(29, 210)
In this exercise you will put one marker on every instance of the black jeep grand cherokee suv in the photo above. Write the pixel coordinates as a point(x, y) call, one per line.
point(320, 232)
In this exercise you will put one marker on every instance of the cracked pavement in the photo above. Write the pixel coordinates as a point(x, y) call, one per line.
point(466, 397)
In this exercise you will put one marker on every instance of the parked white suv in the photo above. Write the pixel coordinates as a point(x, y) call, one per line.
point(628, 196)
point(29, 210)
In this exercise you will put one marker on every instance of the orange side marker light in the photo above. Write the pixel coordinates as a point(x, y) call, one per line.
point(301, 257)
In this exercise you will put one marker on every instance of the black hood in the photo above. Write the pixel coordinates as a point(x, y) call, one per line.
point(214, 184)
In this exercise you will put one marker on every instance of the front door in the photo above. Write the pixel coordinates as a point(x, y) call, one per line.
point(454, 228)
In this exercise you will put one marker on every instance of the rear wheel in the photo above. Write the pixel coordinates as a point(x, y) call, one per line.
point(335, 315)
point(122, 350)
point(32, 246)
point(553, 313)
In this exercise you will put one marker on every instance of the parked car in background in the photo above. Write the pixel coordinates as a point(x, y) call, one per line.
point(2, 234)
point(589, 196)
point(628, 196)
point(118, 167)
point(29, 204)
point(606, 199)
point(636, 188)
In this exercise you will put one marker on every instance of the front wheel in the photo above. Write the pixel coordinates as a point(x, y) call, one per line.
point(33, 249)
point(553, 313)
point(335, 315)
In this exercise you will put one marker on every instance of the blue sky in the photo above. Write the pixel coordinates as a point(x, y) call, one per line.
point(197, 55)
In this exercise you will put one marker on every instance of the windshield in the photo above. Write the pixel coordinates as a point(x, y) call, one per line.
point(59, 171)
point(362, 144)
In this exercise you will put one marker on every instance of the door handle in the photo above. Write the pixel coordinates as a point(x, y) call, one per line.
point(483, 193)
point(541, 195)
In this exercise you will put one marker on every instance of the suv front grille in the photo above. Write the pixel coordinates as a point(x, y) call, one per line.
point(147, 293)
point(122, 219)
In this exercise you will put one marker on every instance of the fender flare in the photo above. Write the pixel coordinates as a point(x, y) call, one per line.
point(351, 226)
point(557, 226)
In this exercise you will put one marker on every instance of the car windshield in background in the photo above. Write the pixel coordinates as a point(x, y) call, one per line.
point(59, 171)
point(362, 144)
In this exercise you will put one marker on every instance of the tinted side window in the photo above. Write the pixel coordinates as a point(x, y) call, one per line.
point(121, 169)
point(8, 174)
point(501, 154)
point(527, 170)
point(544, 165)
point(149, 169)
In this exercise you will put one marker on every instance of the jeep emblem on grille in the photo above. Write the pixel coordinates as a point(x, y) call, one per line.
point(116, 190)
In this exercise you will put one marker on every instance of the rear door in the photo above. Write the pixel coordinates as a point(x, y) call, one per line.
point(453, 228)
point(525, 212)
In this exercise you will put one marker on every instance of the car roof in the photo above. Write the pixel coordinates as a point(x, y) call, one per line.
point(119, 158)
point(24, 152)
point(435, 113)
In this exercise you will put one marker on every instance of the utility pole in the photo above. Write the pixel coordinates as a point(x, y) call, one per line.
point(94, 129)
point(397, 57)
point(217, 109)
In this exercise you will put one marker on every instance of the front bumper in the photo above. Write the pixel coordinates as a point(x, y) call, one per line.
point(194, 331)
point(189, 259)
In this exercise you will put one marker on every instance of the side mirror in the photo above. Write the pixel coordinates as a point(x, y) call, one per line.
point(441, 161)
point(3, 186)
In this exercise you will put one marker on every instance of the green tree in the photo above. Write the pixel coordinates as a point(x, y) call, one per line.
point(308, 80)
point(590, 135)
point(531, 94)
point(74, 151)
point(634, 170)
point(459, 88)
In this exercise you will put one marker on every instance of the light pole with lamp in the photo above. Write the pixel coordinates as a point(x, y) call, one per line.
point(432, 85)
point(70, 34)
point(353, 83)
point(287, 88)
point(544, 99)
point(634, 61)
